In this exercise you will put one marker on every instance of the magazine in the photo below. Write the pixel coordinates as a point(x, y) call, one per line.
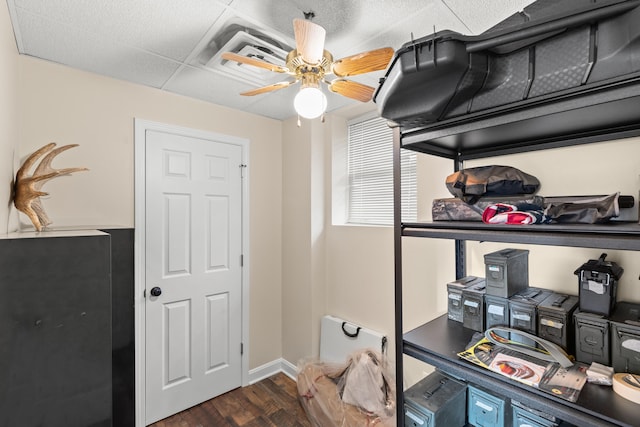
point(550, 377)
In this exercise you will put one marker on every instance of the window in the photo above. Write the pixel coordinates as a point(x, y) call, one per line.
point(370, 170)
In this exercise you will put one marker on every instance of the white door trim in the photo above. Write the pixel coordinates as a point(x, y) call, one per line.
point(140, 129)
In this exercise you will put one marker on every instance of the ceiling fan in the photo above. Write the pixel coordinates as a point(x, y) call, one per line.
point(309, 63)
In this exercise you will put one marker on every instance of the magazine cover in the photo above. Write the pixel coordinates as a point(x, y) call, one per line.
point(546, 376)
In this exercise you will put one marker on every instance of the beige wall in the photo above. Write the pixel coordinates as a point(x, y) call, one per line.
point(73, 107)
point(302, 265)
point(602, 168)
point(360, 259)
point(303, 283)
point(9, 105)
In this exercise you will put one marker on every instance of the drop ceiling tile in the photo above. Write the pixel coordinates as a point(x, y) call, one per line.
point(170, 28)
point(338, 17)
point(209, 86)
point(276, 105)
point(279, 105)
point(136, 40)
point(335, 101)
point(430, 19)
point(348, 23)
point(481, 15)
point(66, 45)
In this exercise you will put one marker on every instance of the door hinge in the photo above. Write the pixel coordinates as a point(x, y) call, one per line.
point(242, 168)
point(241, 260)
point(144, 293)
point(241, 348)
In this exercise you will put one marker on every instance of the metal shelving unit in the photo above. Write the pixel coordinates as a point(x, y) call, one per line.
point(607, 113)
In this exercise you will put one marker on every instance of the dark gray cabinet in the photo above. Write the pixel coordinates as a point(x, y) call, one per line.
point(55, 330)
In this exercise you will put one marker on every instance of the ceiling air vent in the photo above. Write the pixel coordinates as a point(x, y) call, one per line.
point(253, 46)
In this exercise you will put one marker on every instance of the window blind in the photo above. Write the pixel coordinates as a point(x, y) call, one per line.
point(370, 170)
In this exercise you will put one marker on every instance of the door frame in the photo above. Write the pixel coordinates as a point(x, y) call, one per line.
point(140, 129)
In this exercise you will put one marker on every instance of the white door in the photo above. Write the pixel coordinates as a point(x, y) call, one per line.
point(193, 271)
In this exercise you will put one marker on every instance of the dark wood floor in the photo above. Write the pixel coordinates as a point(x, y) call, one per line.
point(272, 402)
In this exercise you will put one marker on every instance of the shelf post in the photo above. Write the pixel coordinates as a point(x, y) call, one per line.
point(460, 245)
point(397, 244)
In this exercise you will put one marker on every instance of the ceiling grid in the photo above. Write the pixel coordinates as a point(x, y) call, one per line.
point(166, 44)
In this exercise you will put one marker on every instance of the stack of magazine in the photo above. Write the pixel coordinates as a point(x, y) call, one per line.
point(565, 383)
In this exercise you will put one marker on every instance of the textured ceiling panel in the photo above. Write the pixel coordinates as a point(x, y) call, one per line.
point(69, 46)
point(433, 17)
point(209, 86)
point(348, 23)
point(479, 16)
point(168, 44)
point(168, 28)
point(278, 105)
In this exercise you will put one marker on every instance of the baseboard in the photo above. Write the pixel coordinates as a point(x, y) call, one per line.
point(272, 368)
point(289, 369)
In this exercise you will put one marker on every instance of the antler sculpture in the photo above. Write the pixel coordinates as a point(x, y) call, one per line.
point(27, 188)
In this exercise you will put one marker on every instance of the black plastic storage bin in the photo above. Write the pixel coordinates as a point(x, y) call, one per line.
point(551, 49)
point(438, 65)
point(598, 285)
point(625, 338)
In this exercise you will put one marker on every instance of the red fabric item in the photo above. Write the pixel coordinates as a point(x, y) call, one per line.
point(502, 213)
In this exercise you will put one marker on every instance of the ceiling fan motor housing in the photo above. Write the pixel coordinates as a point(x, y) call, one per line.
point(311, 73)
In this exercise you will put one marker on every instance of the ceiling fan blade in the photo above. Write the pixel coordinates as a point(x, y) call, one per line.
point(351, 89)
point(309, 40)
point(365, 62)
point(230, 56)
point(265, 89)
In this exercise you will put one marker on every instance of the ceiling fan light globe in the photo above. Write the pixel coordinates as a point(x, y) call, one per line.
point(310, 102)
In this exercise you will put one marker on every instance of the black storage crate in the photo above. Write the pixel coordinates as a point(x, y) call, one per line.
point(552, 49)
point(555, 320)
point(487, 409)
point(473, 305)
point(523, 312)
point(592, 338)
point(625, 338)
point(496, 313)
point(507, 272)
point(526, 417)
point(598, 284)
point(454, 296)
point(436, 400)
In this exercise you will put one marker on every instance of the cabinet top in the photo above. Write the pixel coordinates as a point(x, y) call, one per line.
point(51, 233)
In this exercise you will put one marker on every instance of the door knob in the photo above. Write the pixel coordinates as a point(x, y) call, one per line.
point(156, 291)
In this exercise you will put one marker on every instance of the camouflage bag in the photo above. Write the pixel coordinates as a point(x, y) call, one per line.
point(472, 183)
